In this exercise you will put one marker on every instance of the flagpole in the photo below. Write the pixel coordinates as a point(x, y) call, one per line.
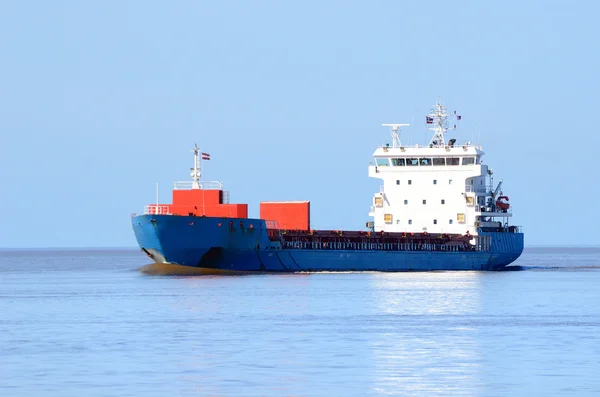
point(203, 199)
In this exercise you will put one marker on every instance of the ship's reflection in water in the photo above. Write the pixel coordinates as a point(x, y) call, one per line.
point(422, 340)
point(351, 334)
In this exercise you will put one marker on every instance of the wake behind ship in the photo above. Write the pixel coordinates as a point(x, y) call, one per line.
point(437, 209)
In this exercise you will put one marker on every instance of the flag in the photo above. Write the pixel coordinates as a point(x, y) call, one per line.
point(429, 120)
point(458, 117)
point(205, 156)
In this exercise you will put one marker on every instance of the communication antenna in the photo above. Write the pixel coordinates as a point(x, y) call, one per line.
point(438, 121)
point(196, 170)
point(395, 133)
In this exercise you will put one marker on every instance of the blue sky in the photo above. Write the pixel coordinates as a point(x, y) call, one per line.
point(100, 100)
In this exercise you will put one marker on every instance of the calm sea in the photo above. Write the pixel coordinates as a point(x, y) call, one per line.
point(88, 323)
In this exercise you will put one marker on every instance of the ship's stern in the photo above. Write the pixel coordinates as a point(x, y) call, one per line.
point(506, 247)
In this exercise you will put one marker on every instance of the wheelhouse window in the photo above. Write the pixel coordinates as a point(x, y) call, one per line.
point(439, 161)
point(443, 201)
point(410, 221)
point(424, 201)
point(397, 181)
point(468, 160)
point(382, 162)
point(410, 182)
point(397, 162)
point(452, 160)
point(412, 162)
point(435, 181)
point(425, 161)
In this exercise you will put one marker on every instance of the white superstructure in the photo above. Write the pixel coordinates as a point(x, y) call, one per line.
point(441, 187)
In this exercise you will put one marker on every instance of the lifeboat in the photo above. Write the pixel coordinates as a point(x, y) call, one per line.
point(502, 203)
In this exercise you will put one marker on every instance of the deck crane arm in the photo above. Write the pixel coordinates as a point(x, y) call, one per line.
point(497, 190)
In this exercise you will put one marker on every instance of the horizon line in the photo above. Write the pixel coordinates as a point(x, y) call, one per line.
point(137, 248)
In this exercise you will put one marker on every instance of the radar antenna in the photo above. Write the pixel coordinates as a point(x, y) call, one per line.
point(395, 133)
point(438, 119)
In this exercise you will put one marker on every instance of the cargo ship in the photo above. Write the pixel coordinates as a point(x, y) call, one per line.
point(436, 209)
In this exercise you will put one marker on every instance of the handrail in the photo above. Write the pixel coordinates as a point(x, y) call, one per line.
point(156, 209)
point(417, 146)
point(206, 185)
point(475, 189)
point(272, 224)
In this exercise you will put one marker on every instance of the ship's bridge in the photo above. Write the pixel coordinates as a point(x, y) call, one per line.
point(440, 187)
point(415, 156)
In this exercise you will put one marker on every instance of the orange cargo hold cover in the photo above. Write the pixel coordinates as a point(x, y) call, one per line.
point(197, 197)
point(219, 210)
point(288, 214)
point(229, 211)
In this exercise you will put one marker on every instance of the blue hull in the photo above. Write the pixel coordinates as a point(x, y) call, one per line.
point(236, 244)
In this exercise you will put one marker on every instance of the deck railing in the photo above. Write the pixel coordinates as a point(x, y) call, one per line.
point(475, 189)
point(377, 246)
point(271, 224)
point(206, 185)
point(155, 209)
point(423, 146)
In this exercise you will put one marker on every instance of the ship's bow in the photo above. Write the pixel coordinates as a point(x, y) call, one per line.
point(173, 239)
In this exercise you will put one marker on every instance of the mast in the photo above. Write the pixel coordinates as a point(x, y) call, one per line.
point(438, 119)
point(196, 170)
point(395, 133)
